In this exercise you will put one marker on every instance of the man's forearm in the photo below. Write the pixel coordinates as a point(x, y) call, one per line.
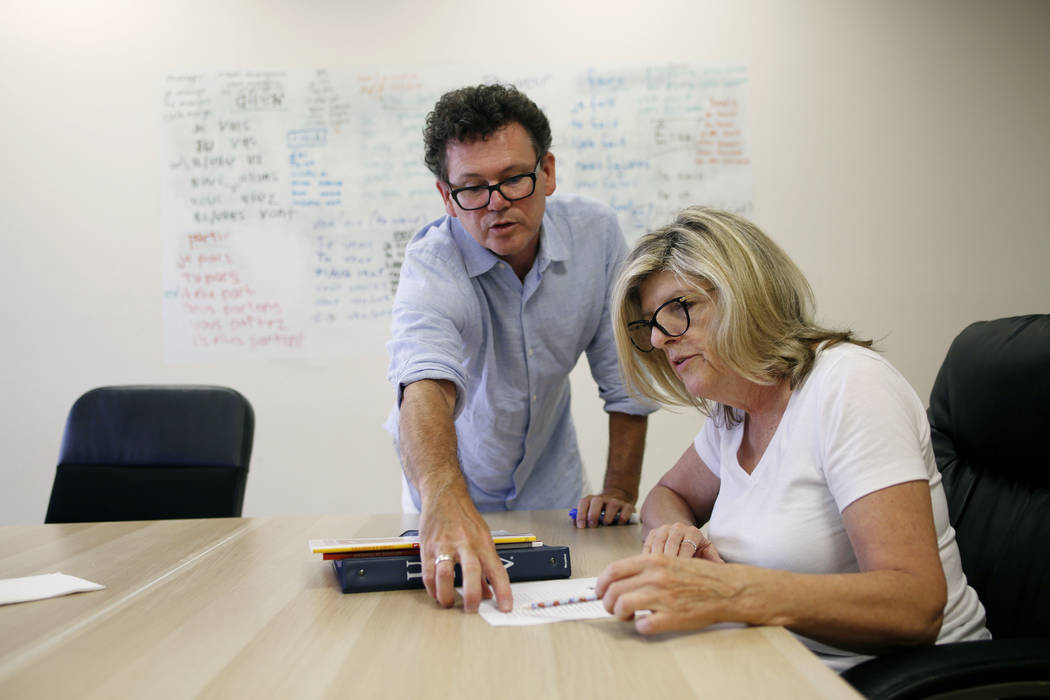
point(623, 471)
point(451, 530)
point(427, 437)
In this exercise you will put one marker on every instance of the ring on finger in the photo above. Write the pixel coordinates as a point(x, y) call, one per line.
point(443, 557)
point(695, 544)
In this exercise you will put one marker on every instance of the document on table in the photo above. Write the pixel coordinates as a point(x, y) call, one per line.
point(527, 593)
point(18, 590)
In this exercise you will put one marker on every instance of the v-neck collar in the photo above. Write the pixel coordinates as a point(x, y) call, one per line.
point(738, 440)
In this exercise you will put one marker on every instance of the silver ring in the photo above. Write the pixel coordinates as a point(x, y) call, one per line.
point(695, 545)
point(443, 557)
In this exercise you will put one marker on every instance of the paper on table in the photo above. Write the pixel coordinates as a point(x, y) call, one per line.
point(18, 590)
point(528, 592)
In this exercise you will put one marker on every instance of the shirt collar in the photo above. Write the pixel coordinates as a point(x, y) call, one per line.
point(479, 259)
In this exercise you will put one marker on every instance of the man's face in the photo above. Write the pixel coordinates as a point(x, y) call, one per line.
point(509, 229)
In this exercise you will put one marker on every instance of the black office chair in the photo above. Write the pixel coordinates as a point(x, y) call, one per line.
point(990, 421)
point(152, 453)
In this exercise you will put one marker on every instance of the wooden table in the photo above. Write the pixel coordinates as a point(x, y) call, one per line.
point(238, 607)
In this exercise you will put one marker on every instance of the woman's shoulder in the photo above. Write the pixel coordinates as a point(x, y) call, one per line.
point(848, 367)
point(848, 358)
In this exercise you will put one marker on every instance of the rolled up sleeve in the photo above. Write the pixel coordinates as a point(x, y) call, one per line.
point(427, 326)
point(601, 351)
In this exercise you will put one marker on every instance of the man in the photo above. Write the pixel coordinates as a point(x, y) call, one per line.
point(496, 302)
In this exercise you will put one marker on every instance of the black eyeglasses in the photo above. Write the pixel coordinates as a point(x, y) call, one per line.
point(512, 189)
point(671, 318)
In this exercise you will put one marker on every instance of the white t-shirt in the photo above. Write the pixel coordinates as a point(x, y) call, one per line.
point(853, 427)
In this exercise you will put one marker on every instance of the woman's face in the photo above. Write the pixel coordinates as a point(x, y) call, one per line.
point(691, 354)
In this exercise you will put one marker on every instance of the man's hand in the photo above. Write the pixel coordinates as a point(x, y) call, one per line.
point(616, 506)
point(452, 531)
point(623, 472)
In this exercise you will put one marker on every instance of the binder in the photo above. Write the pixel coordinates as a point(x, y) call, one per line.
point(390, 573)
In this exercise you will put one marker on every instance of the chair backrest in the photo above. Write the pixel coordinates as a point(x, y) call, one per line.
point(153, 452)
point(990, 421)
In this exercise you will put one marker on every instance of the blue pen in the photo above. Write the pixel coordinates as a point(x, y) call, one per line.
point(616, 518)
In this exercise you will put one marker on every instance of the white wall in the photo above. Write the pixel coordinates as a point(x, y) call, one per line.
point(900, 154)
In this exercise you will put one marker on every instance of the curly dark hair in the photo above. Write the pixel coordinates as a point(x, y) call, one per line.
point(476, 112)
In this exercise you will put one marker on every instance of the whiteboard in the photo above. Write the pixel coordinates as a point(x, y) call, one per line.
point(288, 196)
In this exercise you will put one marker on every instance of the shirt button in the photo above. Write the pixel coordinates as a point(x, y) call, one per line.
point(530, 352)
point(501, 265)
point(534, 397)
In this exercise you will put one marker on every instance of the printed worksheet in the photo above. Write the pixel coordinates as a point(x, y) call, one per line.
point(543, 602)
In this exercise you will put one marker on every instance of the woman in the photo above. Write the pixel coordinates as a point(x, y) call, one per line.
point(814, 470)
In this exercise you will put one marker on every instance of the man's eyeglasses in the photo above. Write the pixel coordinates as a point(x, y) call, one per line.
point(512, 189)
point(671, 318)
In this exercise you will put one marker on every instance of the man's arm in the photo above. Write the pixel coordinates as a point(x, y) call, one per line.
point(449, 523)
point(623, 472)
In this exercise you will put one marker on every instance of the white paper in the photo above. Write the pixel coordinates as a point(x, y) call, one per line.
point(19, 590)
point(529, 592)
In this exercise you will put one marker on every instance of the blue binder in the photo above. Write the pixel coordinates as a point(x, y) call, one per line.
point(389, 573)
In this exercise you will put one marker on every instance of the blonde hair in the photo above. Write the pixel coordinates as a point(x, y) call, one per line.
point(763, 326)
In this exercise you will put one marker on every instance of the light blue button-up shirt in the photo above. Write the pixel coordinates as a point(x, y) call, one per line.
point(461, 314)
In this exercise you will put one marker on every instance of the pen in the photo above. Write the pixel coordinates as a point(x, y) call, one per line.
point(616, 518)
point(564, 601)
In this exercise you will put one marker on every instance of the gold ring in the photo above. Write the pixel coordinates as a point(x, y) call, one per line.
point(443, 557)
point(695, 545)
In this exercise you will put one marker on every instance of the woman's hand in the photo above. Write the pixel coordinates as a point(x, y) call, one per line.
point(682, 594)
point(680, 540)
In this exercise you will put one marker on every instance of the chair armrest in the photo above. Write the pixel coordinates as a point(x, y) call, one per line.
point(918, 673)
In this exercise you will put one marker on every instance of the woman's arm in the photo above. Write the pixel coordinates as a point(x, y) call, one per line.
point(679, 503)
point(897, 598)
point(686, 493)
